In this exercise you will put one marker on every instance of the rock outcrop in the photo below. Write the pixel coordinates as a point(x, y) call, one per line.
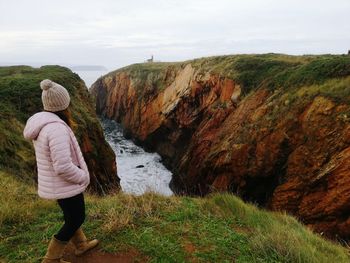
point(21, 97)
point(274, 129)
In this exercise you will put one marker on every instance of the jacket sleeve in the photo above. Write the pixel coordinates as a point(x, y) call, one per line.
point(60, 152)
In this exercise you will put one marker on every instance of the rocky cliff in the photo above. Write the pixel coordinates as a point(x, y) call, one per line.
point(274, 129)
point(21, 97)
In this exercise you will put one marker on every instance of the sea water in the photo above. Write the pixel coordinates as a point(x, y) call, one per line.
point(90, 76)
point(139, 171)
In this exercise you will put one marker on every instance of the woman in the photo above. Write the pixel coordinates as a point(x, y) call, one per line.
point(62, 171)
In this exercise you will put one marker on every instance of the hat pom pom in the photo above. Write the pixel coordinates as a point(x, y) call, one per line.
point(46, 84)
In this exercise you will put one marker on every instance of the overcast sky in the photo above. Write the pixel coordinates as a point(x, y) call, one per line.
point(115, 33)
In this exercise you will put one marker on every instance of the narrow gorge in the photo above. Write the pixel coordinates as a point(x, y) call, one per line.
point(140, 172)
point(274, 129)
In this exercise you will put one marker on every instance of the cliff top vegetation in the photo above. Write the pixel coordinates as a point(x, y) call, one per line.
point(250, 71)
point(218, 228)
point(20, 95)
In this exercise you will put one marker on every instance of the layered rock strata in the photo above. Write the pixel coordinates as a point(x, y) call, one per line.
point(273, 129)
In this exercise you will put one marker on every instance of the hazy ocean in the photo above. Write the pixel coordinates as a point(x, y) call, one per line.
point(90, 76)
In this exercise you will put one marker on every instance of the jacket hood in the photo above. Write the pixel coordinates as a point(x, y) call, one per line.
point(37, 122)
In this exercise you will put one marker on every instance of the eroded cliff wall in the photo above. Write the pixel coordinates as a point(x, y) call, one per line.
point(274, 129)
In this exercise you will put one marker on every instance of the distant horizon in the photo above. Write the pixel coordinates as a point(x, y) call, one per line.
point(36, 64)
point(119, 33)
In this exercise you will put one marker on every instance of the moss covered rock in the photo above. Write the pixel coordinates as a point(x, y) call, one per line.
point(21, 97)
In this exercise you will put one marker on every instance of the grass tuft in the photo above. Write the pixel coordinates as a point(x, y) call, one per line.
point(218, 228)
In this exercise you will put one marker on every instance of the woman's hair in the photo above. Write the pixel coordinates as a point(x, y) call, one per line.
point(66, 116)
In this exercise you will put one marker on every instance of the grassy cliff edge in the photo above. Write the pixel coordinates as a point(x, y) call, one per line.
point(218, 228)
point(20, 95)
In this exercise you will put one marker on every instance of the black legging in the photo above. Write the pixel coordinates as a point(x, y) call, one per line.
point(74, 215)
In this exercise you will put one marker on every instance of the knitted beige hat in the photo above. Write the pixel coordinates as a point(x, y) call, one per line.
point(54, 96)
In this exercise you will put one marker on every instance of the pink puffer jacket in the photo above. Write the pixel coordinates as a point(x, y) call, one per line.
point(58, 156)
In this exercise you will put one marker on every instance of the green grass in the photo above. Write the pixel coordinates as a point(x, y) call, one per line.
point(20, 95)
point(20, 98)
point(219, 228)
point(276, 70)
point(250, 71)
point(149, 77)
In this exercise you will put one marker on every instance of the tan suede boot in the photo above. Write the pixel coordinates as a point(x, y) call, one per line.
point(81, 243)
point(55, 251)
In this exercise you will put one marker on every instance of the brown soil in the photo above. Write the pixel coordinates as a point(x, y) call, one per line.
point(96, 255)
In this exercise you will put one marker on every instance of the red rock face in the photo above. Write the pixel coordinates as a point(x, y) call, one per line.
point(291, 155)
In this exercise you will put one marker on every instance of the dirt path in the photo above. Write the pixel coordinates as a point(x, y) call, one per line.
point(98, 256)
